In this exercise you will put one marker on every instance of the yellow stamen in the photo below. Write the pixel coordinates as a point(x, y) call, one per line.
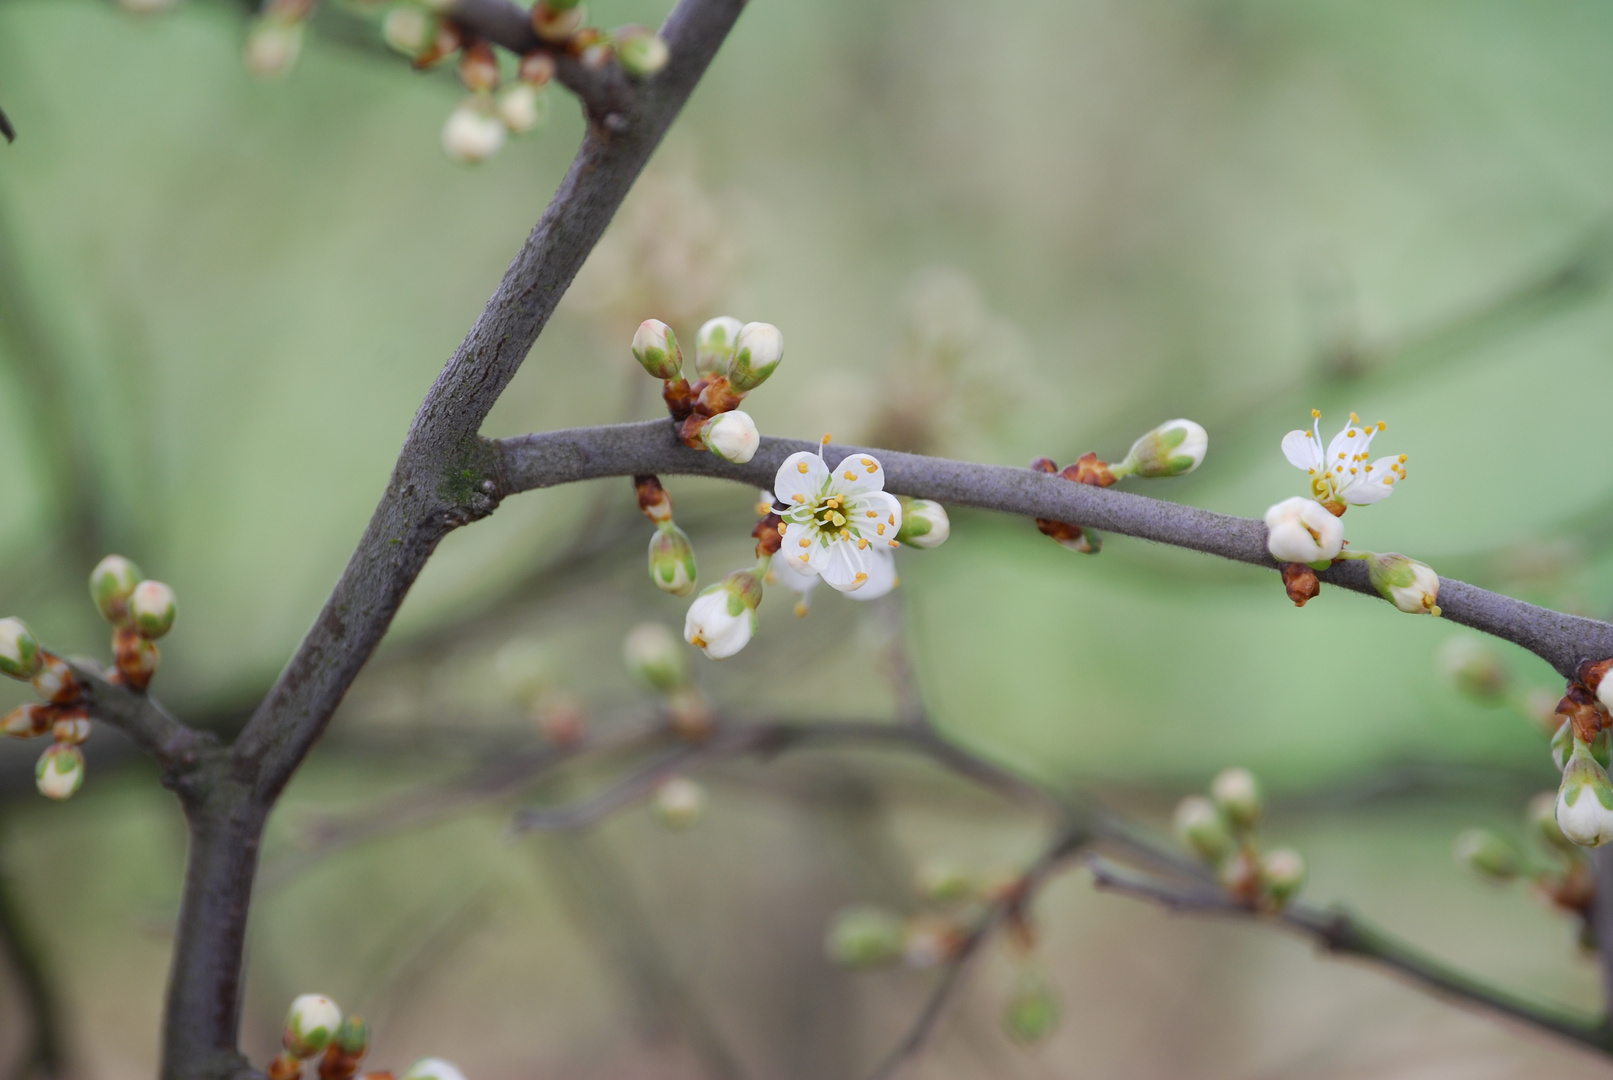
point(850, 475)
point(800, 466)
point(799, 497)
point(882, 530)
point(868, 461)
point(806, 541)
point(1315, 413)
point(861, 576)
point(861, 543)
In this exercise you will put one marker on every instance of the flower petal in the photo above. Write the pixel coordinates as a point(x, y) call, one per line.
point(800, 541)
point(876, 515)
point(1375, 482)
point(802, 474)
point(881, 576)
point(1299, 447)
point(787, 572)
point(857, 474)
point(843, 564)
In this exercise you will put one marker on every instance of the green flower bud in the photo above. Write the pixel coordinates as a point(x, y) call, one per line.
point(1585, 800)
point(111, 582)
point(640, 51)
point(151, 609)
point(60, 771)
point(862, 937)
point(653, 656)
point(714, 345)
point(757, 353)
point(1542, 814)
point(432, 1069)
point(1199, 825)
point(924, 523)
point(655, 347)
point(680, 803)
point(1032, 1013)
point(1487, 852)
point(732, 436)
point(1562, 746)
point(1237, 793)
point(1473, 669)
point(19, 650)
point(353, 1036)
point(311, 1023)
point(1282, 873)
point(1406, 583)
point(1173, 448)
point(672, 566)
point(944, 881)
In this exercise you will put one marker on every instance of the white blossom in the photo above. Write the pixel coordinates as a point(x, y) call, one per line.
point(722, 618)
point(1342, 474)
point(732, 436)
point(838, 523)
point(1585, 800)
point(311, 1023)
point(1303, 530)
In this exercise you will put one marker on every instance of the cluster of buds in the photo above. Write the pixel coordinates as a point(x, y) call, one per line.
point(653, 657)
point(140, 611)
point(1174, 448)
point(1566, 880)
point(1580, 750)
point(672, 563)
point(316, 1029)
point(1223, 831)
point(731, 360)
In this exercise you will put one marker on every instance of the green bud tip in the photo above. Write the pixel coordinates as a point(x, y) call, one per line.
point(1282, 873)
point(861, 937)
point(151, 609)
point(1236, 792)
point(60, 771)
point(943, 881)
point(924, 523)
point(353, 1036)
point(672, 562)
point(640, 51)
point(757, 352)
point(19, 650)
point(1585, 799)
point(652, 655)
point(1487, 852)
point(714, 344)
point(1199, 825)
point(1172, 449)
point(311, 1023)
point(1409, 585)
point(1032, 1013)
point(111, 582)
point(655, 347)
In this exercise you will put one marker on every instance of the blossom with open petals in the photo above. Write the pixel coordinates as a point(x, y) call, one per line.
point(838, 523)
point(1342, 474)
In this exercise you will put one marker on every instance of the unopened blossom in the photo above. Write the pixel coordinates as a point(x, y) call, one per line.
point(1302, 530)
point(521, 108)
point(1409, 585)
point(655, 347)
point(111, 582)
point(1342, 474)
point(60, 771)
point(1201, 827)
point(1282, 873)
point(1171, 449)
point(19, 650)
point(1487, 852)
point(151, 609)
point(653, 656)
point(672, 561)
point(838, 521)
point(311, 1023)
point(714, 344)
point(473, 133)
point(757, 352)
point(1585, 800)
point(732, 436)
point(924, 523)
point(1236, 794)
point(722, 619)
point(640, 51)
point(680, 802)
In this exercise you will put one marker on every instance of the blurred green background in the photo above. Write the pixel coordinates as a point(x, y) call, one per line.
point(985, 232)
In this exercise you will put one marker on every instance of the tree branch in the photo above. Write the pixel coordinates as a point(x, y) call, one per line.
point(558, 457)
point(606, 92)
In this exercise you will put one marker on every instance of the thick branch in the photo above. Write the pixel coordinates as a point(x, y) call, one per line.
point(558, 457)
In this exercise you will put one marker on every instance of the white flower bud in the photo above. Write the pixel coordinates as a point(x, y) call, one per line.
point(432, 1069)
point(19, 650)
point(924, 523)
point(111, 582)
point(472, 134)
point(60, 771)
point(1487, 852)
point(1409, 585)
point(1282, 873)
point(655, 347)
point(1604, 691)
point(714, 344)
point(522, 108)
point(1585, 800)
point(409, 29)
point(1301, 530)
point(1200, 826)
point(640, 51)
point(680, 802)
point(1562, 745)
point(652, 655)
point(861, 937)
point(672, 565)
point(1173, 448)
point(272, 46)
point(723, 617)
point(151, 609)
point(757, 352)
point(1237, 794)
point(311, 1023)
point(732, 436)
point(1475, 670)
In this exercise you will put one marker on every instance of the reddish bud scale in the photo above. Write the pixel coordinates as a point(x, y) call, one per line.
point(562, 722)
point(1082, 472)
point(653, 500)
point(1301, 583)
point(717, 396)
point(1591, 671)
point(447, 42)
point(56, 682)
point(72, 729)
point(1089, 470)
point(1240, 876)
point(537, 68)
point(679, 397)
point(136, 657)
point(1579, 706)
point(28, 721)
point(769, 535)
point(285, 1067)
point(338, 1064)
point(689, 431)
point(478, 68)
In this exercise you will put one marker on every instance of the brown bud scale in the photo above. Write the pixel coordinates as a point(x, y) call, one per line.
point(1301, 583)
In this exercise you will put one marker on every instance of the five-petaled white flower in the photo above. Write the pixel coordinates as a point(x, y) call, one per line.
point(840, 524)
point(1343, 475)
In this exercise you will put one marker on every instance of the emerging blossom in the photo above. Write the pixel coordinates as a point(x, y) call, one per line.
point(838, 522)
point(1236, 794)
point(1173, 448)
point(640, 51)
point(924, 523)
point(1409, 585)
point(60, 771)
point(111, 582)
point(863, 936)
point(1282, 873)
point(653, 656)
point(672, 562)
point(1585, 799)
point(722, 619)
point(714, 344)
point(472, 133)
point(655, 347)
point(757, 352)
point(311, 1023)
point(1342, 474)
point(1487, 852)
point(151, 609)
point(732, 436)
point(1201, 827)
point(1302, 530)
point(19, 650)
point(521, 108)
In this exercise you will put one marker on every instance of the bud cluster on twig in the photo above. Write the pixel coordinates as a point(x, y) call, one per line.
point(1224, 832)
point(317, 1031)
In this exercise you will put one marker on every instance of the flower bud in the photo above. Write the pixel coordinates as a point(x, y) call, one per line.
point(924, 523)
point(273, 45)
point(640, 51)
point(72, 730)
point(55, 681)
point(409, 29)
point(1173, 448)
point(757, 352)
point(136, 657)
point(537, 69)
point(151, 609)
point(1301, 530)
point(27, 721)
point(1237, 794)
point(1542, 814)
point(1406, 583)
point(432, 1069)
point(1199, 825)
point(1032, 1013)
point(20, 656)
point(60, 771)
point(1282, 873)
point(723, 617)
point(943, 881)
point(655, 347)
point(478, 67)
point(1487, 852)
point(472, 134)
point(346, 1050)
point(1585, 800)
point(672, 565)
point(861, 937)
point(111, 582)
point(1475, 670)
point(522, 108)
point(680, 802)
point(311, 1023)
point(653, 657)
point(732, 436)
point(352, 1037)
point(555, 21)
point(714, 344)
